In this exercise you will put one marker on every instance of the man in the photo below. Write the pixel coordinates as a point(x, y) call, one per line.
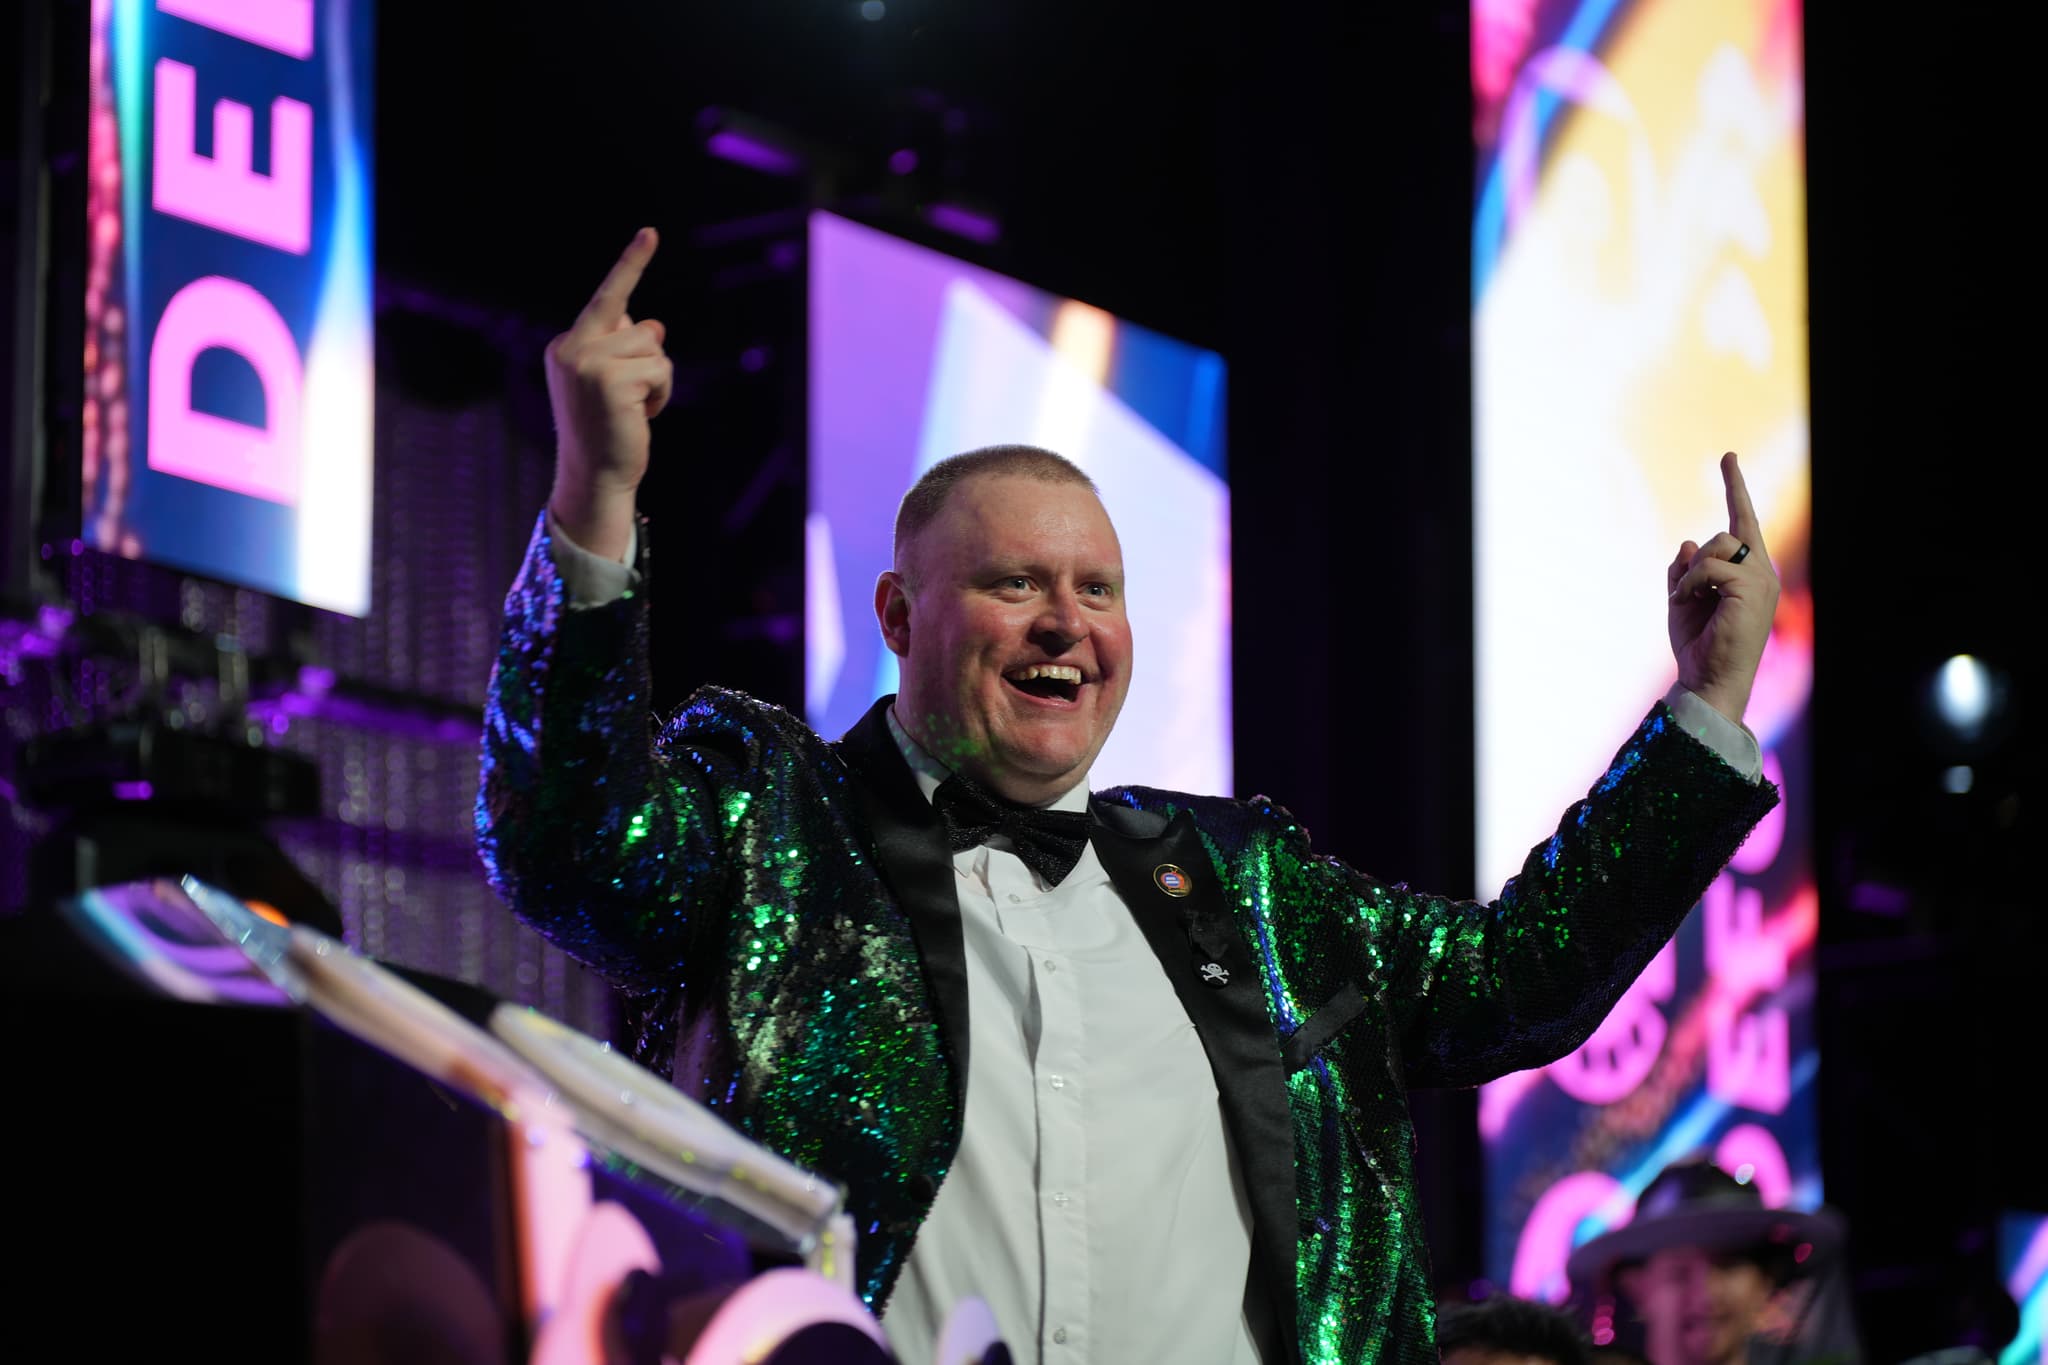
point(1704, 1266)
point(1508, 1331)
point(1131, 1068)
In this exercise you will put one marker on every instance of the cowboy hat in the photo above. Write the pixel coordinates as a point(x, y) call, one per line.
point(1693, 1203)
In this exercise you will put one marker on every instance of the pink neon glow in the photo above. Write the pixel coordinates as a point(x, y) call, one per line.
point(1499, 1099)
point(775, 1305)
point(2033, 1264)
point(1546, 1240)
point(1791, 931)
point(1740, 954)
point(1751, 1145)
point(1500, 35)
point(224, 191)
point(551, 1199)
point(1784, 678)
point(1615, 1060)
point(1769, 836)
point(262, 462)
point(281, 25)
point(1749, 1055)
point(610, 1245)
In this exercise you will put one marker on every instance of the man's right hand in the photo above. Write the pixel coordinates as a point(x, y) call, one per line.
point(607, 376)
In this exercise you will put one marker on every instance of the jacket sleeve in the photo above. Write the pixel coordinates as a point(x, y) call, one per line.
point(1474, 991)
point(608, 840)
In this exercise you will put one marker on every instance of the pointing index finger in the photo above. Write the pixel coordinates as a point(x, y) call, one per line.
point(1742, 519)
point(607, 307)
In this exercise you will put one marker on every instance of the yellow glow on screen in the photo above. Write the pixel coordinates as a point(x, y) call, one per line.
point(1646, 311)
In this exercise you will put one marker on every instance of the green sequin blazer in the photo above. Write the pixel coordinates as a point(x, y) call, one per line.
point(780, 914)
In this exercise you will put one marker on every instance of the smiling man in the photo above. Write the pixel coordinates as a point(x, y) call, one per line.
point(1006, 606)
point(1130, 1066)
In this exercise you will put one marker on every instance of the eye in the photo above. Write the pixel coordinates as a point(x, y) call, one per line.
point(1102, 590)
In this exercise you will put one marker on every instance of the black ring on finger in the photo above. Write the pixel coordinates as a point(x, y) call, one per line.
point(1741, 553)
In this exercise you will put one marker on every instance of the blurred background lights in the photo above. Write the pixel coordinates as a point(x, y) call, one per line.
point(1962, 694)
point(872, 10)
point(1958, 779)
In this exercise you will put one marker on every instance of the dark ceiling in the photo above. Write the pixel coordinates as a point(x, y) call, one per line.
point(517, 151)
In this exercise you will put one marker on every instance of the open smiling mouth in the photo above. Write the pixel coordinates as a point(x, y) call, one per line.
point(1047, 682)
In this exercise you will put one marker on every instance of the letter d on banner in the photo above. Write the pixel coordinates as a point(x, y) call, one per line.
point(261, 461)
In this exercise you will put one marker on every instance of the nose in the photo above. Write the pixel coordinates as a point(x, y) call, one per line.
point(1060, 621)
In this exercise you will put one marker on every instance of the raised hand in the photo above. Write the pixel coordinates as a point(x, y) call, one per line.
point(607, 377)
point(1722, 597)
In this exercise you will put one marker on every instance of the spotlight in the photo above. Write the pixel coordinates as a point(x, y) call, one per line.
point(751, 142)
point(1968, 709)
point(1962, 695)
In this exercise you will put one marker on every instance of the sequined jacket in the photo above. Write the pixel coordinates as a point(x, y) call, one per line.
point(780, 914)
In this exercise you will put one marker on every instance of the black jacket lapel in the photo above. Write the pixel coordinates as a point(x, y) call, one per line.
point(917, 864)
point(1214, 974)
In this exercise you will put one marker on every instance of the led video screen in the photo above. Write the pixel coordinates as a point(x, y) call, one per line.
point(1639, 295)
point(2023, 1264)
point(914, 356)
point(228, 350)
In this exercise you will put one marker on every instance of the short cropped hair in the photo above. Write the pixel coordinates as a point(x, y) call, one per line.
point(928, 495)
point(1514, 1326)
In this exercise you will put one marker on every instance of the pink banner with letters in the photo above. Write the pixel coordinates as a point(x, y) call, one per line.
point(228, 350)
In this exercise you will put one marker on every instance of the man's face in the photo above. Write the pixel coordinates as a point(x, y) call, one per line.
point(1700, 1309)
point(1012, 577)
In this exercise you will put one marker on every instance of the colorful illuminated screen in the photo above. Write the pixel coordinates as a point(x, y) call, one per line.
point(2023, 1264)
point(915, 356)
point(228, 349)
point(1639, 291)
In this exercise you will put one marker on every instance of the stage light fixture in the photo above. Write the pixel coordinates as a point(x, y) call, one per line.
point(1963, 695)
point(749, 142)
point(961, 221)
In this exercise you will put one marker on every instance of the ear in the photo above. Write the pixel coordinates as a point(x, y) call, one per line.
point(892, 612)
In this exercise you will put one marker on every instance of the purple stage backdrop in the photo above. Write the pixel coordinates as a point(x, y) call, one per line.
point(915, 356)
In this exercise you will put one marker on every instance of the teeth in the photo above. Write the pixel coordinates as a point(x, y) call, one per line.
point(1057, 672)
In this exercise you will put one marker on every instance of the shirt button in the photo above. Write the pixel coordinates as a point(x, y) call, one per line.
point(1059, 1334)
point(1016, 899)
point(1060, 1198)
point(1051, 966)
point(1059, 1082)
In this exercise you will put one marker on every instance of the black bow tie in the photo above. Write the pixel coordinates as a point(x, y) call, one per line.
point(1049, 841)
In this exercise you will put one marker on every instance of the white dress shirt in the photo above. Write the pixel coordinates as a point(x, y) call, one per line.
point(1095, 1203)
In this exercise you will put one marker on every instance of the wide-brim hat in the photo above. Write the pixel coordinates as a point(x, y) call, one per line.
point(1695, 1204)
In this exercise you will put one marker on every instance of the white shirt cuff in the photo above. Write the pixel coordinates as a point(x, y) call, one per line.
point(1735, 743)
point(592, 580)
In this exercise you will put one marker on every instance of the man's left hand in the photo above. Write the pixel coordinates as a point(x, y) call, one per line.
point(1720, 609)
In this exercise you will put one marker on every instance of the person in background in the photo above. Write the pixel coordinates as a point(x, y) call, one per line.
point(1712, 1276)
point(1509, 1331)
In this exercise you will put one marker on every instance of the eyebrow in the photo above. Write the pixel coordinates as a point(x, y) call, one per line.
point(988, 568)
